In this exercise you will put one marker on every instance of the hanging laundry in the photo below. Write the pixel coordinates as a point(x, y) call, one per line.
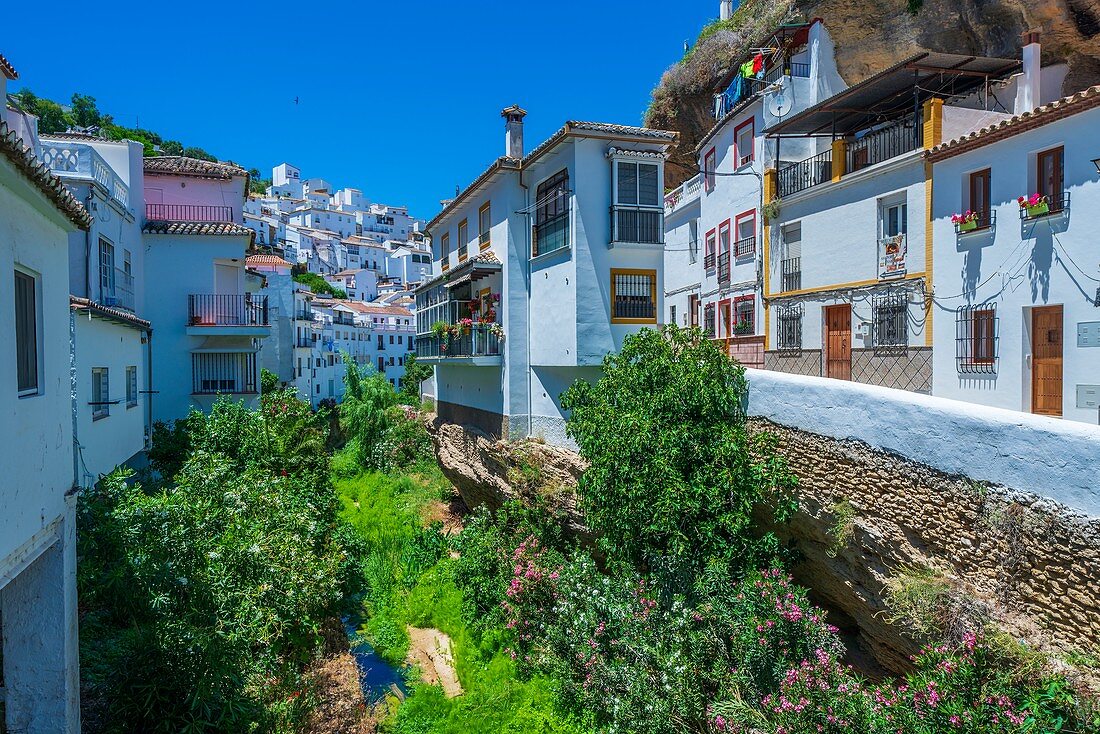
point(758, 63)
point(746, 70)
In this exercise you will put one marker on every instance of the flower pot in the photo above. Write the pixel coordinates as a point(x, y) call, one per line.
point(1038, 210)
point(969, 226)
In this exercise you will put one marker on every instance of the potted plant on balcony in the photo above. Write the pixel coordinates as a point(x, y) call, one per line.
point(771, 209)
point(498, 331)
point(743, 327)
point(963, 222)
point(1035, 205)
point(463, 326)
point(441, 330)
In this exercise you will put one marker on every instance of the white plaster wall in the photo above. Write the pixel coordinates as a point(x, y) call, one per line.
point(683, 274)
point(1019, 265)
point(107, 442)
point(474, 387)
point(1052, 458)
point(36, 432)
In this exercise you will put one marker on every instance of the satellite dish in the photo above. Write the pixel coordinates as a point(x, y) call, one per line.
point(779, 101)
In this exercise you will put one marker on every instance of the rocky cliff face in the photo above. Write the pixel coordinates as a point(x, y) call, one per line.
point(870, 35)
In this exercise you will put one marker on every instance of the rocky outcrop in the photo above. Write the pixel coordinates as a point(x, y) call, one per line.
point(871, 35)
point(490, 472)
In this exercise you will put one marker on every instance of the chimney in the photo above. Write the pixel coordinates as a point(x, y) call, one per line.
point(513, 130)
point(726, 11)
point(1028, 96)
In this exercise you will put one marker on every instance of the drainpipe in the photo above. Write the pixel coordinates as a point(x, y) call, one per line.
point(72, 397)
point(149, 388)
point(527, 258)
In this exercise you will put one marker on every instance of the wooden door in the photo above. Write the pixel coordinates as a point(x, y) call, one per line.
point(838, 342)
point(1046, 360)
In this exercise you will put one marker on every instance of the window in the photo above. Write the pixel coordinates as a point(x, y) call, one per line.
point(637, 183)
point(551, 231)
point(708, 319)
point(101, 394)
point(743, 142)
point(745, 245)
point(693, 241)
point(463, 240)
point(672, 315)
point(445, 248)
point(976, 338)
point(26, 333)
point(106, 269)
point(633, 296)
point(724, 252)
point(980, 196)
point(744, 315)
point(1049, 169)
point(789, 327)
point(708, 170)
point(711, 246)
point(890, 320)
point(131, 386)
point(484, 226)
point(894, 219)
point(693, 308)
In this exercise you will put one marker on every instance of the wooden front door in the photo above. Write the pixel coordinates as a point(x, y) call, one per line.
point(1046, 360)
point(838, 342)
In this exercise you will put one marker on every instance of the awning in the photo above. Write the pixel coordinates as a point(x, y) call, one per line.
point(894, 92)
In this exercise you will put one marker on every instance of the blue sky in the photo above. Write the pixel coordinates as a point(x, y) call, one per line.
point(400, 99)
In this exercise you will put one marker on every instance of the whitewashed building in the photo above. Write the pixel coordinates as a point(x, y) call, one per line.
point(713, 264)
point(39, 686)
point(1017, 294)
point(543, 265)
point(110, 338)
point(210, 321)
point(848, 255)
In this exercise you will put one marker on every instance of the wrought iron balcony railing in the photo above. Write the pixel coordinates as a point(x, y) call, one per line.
point(802, 175)
point(188, 213)
point(226, 310)
point(637, 225)
point(477, 341)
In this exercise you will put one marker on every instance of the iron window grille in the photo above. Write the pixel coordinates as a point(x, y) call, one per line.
point(977, 335)
point(791, 274)
point(634, 296)
point(789, 327)
point(551, 232)
point(708, 319)
point(745, 247)
point(744, 316)
point(890, 321)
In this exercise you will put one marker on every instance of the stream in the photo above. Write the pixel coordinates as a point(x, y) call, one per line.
point(376, 677)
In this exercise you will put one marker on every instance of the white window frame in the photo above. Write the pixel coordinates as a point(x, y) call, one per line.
point(37, 340)
point(885, 205)
point(101, 393)
point(131, 386)
point(106, 268)
point(656, 160)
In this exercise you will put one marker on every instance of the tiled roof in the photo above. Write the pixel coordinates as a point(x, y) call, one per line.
point(265, 259)
point(178, 165)
point(571, 127)
point(115, 314)
point(1048, 113)
point(7, 68)
point(158, 226)
point(23, 158)
point(483, 258)
point(373, 308)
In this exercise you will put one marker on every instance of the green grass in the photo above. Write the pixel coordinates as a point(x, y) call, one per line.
point(386, 510)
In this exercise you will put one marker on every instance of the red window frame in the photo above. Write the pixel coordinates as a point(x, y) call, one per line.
point(750, 214)
point(710, 165)
point(751, 122)
point(711, 246)
point(727, 226)
point(751, 300)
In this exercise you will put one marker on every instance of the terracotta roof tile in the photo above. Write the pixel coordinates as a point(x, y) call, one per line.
point(265, 259)
point(23, 158)
point(110, 312)
point(7, 68)
point(157, 226)
point(178, 165)
point(1048, 113)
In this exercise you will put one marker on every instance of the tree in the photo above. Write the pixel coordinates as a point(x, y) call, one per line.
point(363, 413)
point(415, 373)
point(319, 285)
point(674, 476)
point(51, 117)
point(192, 151)
point(84, 110)
point(172, 147)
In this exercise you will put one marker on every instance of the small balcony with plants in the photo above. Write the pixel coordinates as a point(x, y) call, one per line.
point(459, 325)
point(215, 314)
point(1041, 206)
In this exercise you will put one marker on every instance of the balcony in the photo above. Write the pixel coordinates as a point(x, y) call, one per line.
point(1055, 206)
point(120, 294)
point(303, 314)
point(478, 346)
point(890, 141)
point(723, 268)
point(804, 174)
point(684, 194)
point(188, 213)
point(215, 373)
point(304, 342)
point(708, 261)
point(745, 247)
point(71, 160)
point(790, 274)
point(216, 314)
point(637, 225)
point(983, 222)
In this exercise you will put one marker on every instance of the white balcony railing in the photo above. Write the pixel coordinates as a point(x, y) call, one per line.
point(684, 194)
point(69, 159)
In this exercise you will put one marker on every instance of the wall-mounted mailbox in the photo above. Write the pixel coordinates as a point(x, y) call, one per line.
point(1088, 334)
point(1088, 396)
